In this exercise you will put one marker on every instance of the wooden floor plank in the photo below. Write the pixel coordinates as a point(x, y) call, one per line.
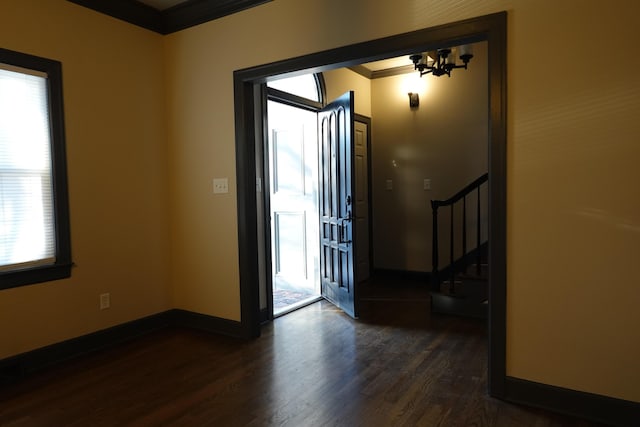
point(396, 366)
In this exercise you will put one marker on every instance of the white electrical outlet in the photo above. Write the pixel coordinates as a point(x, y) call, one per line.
point(105, 301)
point(427, 184)
point(220, 185)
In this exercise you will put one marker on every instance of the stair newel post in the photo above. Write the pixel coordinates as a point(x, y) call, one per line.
point(451, 259)
point(478, 255)
point(434, 244)
point(464, 231)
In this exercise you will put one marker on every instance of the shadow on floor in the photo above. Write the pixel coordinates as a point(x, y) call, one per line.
point(398, 300)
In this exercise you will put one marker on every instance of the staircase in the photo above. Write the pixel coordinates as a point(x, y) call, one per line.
point(461, 287)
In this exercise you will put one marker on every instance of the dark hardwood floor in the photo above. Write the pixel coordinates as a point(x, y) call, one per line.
point(396, 366)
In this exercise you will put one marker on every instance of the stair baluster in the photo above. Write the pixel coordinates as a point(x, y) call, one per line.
point(452, 289)
point(434, 247)
point(464, 230)
point(478, 254)
point(462, 263)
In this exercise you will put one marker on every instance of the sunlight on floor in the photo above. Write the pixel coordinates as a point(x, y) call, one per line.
point(285, 301)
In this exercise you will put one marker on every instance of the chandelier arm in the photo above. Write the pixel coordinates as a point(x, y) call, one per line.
point(439, 65)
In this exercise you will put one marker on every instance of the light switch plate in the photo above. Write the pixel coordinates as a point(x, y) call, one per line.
point(105, 301)
point(427, 184)
point(220, 185)
point(389, 184)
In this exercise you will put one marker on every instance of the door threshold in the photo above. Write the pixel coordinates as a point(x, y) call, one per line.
point(297, 305)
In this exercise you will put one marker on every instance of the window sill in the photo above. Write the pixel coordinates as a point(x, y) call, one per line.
point(30, 276)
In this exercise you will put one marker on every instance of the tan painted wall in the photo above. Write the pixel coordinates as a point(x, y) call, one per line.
point(117, 167)
point(445, 140)
point(573, 230)
point(342, 80)
point(573, 206)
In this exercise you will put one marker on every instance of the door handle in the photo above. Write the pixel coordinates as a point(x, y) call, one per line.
point(342, 227)
point(342, 231)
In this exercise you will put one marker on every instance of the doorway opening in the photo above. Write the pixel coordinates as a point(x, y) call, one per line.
point(310, 195)
point(293, 202)
point(249, 130)
point(291, 163)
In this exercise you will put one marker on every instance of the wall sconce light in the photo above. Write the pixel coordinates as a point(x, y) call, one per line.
point(442, 61)
point(414, 100)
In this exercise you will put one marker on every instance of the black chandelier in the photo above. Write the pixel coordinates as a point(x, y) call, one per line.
point(442, 61)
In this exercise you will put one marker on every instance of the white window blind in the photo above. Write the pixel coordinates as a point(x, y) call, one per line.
point(27, 235)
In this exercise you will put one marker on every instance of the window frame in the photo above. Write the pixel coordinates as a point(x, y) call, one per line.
point(61, 267)
point(298, 101)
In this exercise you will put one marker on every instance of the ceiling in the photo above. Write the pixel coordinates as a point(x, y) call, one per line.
point(168, 16)
point(385, 68)
point(386, 64)
point(162, 4)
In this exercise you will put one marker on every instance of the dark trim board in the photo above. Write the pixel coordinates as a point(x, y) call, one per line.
point(593, 407)
point(265, 315)
point(293, 100)
point(490, 28)
point(417, 276)
point(378, 74)
point(197, 12)
point(16, 367)
point(367, 122)
point(174, 19)
point(205, 323)
point(465, 260)
point(129, 11)
point(61, 267)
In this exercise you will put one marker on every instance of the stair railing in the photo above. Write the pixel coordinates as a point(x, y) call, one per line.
point(435, 205)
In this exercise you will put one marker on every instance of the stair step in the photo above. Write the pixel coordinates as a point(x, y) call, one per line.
point(469, 299)
point(459, 306)
point(470, 278)
point(477, 290)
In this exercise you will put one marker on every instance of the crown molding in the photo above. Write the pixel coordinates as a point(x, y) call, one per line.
point(176, 18)
point(378, 74)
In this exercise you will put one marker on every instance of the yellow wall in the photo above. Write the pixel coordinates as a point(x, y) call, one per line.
point(573, 205)
point(409, 145)
point(113, 87)
point(573, 232)
point(573, 214)
point(445, 140)
point(342, 80)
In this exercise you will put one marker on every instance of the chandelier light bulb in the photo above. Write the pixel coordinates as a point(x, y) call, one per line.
point(441, 61)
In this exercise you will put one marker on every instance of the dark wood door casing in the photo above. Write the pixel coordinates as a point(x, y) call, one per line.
point(493, 29)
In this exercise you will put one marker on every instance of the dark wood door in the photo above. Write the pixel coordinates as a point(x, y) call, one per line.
point(336, 185)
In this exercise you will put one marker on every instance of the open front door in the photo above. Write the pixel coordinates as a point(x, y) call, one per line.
point(293, 203)
point(336, 185)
